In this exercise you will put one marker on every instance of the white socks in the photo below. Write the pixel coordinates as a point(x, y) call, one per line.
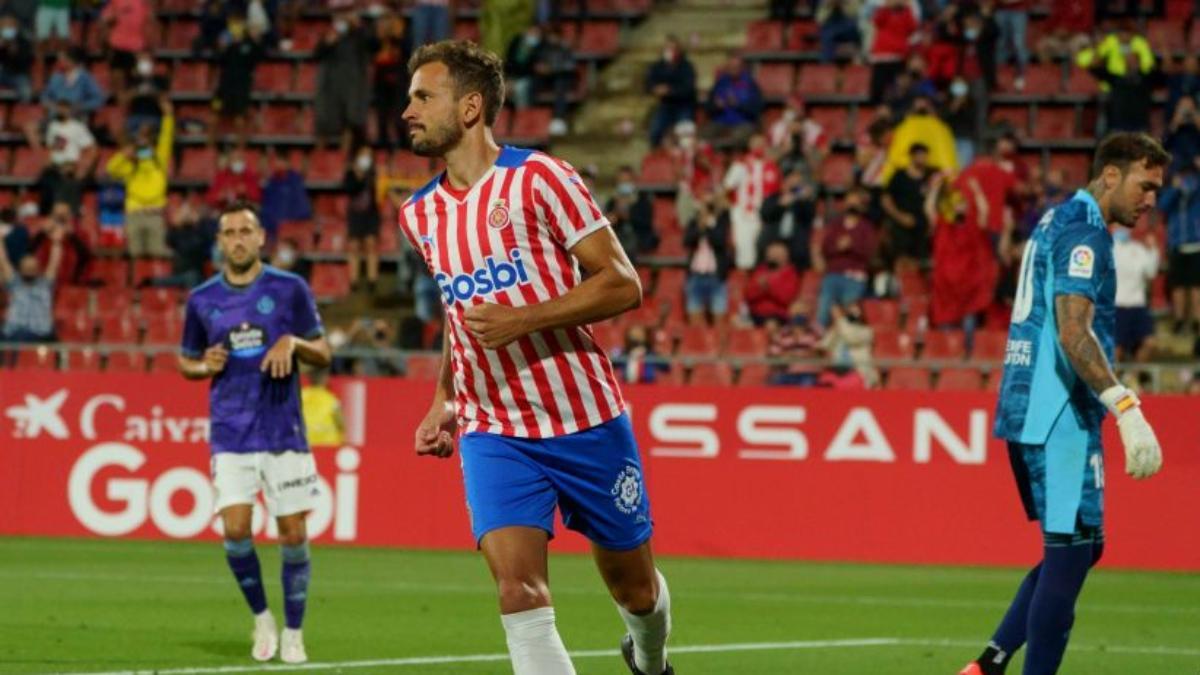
point(650, 631)
point(534, 644)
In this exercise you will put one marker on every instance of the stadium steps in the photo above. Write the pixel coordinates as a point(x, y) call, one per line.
point(612, 129)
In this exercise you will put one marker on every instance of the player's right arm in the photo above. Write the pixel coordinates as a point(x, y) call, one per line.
point(1076, 271)
point(435, 434)
point(197, 358)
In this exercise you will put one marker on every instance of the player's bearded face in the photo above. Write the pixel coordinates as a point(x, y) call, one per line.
point(434, 137)
point(1136, 194)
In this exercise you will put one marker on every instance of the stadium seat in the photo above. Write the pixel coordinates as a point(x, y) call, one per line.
point(1054, 124)
point(325, 166)
point(112, 272)
point(531, 126)
point(881, 313)
point(72, 299)
point(164, 362)
point(150, 268)
point(158, 301)
point(856, 80)
point(197, 164)
point(302, 232)
point(747, 342)
point(1076, 165)
point(423, 366)
point(834, 119)
point(22, 114)
point(307, 34)
point(944, 344)
point(677, 375)
point(332, 236)
point(912, 284)
point(1016, 117)
point(273, 77)
point(801, 35)
point(711, 374)
point(40, 358)
point(28, 162)
point(893, 344)
point(989, 345)
point(959, 379)
point(1081, 83)
point(1166, 36)
point(817, 79)
point(191, 77)
point(776, 79)
point(669, 286)
point(118, 329)
point(306, 79)
point(181, 34)
point(657, 169)
point(764, 35)
point(753, 374)
point(330, 280)
point(115, 301)
point(698, 341)
point(76, 327)
point(121, 361)
point(608, 335)
point(908, 378)
point(86, 360)
point(599, 38)
point(1041, 80)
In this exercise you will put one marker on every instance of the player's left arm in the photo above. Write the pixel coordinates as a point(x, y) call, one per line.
point(611, 287)
point(306, 342)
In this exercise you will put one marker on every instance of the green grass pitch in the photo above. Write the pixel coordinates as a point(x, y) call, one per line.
point(104, 606)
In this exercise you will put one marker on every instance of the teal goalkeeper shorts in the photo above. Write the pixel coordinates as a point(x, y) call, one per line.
point(1061, 482)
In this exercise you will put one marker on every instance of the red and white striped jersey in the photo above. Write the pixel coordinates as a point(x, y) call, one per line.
point(752, 179)
point(506, 240)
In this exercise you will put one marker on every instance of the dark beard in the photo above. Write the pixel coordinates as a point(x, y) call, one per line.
point(437, 144)
point(241, 269)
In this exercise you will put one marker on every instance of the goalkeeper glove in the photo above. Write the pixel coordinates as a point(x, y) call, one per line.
point(1143, 455)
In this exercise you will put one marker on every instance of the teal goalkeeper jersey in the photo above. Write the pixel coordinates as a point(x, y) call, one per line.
point(1069, 253)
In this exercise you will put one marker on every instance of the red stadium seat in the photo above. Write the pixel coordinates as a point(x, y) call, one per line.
point(1166, 36)
point(1051, 124)
point(112, 272)
point(816, 79)
point(764, 34)
point(330, 280)
point(989, 345)
point(190, 77)
point(85, 360)
point(150, 268)
point(118, 329)
point(197, 164)
point(164, 362)
point(164, 330)
point(753, 374)
point(776, 79)
point(273, 77)
point(944, 344)
point(835, 120)
point(115, 301)
point(532, 125)
point(893, 344)
point(22, 114)
point(29, 162)
point(303, 232)
point(698, 341)
point(1076, 165)
point(881, 313)
point(747, 342)
point(40, 358)
point(716, 374)
point(306, 79)
point(599, 38)
point(181, 34)
point(121, 361)
point(959, 379)
point(423, 366)
point(77, 327)
point(670, 283)
point(1041, 80)
point(72, 299)
point(307, 34)
point(912, 285)
point(325, 166)
point(332, 236)
point(1016, 117)
point(657, 168)
point(608, 335)
point(1081, 82)
point(908, 378)
point(856, 80)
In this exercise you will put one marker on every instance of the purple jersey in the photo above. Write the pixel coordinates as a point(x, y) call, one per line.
point(250, 411)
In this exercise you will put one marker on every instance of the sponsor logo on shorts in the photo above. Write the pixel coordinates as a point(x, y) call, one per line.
point(627, 490)
point(297, 482)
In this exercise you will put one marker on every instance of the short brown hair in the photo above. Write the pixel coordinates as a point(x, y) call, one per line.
point(472, 67)
point(1124, 148)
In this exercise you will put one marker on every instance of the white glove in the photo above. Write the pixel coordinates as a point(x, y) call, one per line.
point(1143, 455)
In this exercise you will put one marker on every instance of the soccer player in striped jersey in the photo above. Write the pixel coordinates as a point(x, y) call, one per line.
point(525, 391)
point(1058, 384)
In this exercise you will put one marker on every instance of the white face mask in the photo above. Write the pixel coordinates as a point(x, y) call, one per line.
point(287, 256)
point(363, 162)
point(341, 27)
point(237, 166)
point(145, 67)
point(958, 88)
point(687, 142)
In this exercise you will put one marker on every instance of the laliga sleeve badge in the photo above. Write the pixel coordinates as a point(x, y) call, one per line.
point(1082, 262)
point(498, 215)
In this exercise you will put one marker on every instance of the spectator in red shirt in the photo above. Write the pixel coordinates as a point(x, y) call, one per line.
point(799, 342)
point(76, 255)
point(236, 181)
point(894, 24)
point(695, 170)
point(1003, 178)
point(964, 264)
point(1067, 30)
point(844, 254)
point(772, 287)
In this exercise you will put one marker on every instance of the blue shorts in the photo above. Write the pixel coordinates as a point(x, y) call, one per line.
point(593, 476)
point(1062, 482)
point(1134, 325)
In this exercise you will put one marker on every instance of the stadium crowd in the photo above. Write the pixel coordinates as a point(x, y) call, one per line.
point(765, 223)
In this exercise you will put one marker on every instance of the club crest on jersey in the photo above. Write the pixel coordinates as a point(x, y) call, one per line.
point(1082, 262)
point(265, 305)
point(627, 491)
point(495, 275)
point(498, 215)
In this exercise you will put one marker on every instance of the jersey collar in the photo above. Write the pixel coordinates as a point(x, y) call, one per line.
point(1092, 205)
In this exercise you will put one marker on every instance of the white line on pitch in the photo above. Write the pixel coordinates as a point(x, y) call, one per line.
point(686, 649)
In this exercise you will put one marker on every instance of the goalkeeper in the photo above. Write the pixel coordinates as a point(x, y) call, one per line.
point(1058, 385)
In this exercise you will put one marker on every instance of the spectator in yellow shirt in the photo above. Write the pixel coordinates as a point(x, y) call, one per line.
point(322, 411)
point(144, 167)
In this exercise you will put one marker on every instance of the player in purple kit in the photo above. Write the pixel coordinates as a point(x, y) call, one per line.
point(246, 328)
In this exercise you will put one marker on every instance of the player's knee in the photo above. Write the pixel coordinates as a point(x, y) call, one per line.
point(292, 538)
point(238, 531)
point(636, 598)
point(519, 594)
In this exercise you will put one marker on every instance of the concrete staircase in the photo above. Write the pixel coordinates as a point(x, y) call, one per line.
point(612, 128)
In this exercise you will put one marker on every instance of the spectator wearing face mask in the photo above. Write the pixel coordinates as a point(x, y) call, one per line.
point(1180, 204)
point(695, 164)
point(241, 50)
point(637, 361)
point(72, 156)
point(343, 91)
point(519, 74)
point(631, 214)
point(798, 342)
point(30, 288)
point(127, 22)
point(734, 104)
point(191, 247)
point(848, 343)
point(1183, 135)
point(751, 179)
point(284, 197)
point(843, 254)
point(144, 167)
point(672, 80)
point(16, 58)
point(707, 241)
point(76, 254)
point(797, 141)
point(788, 217)
point(921, 127)
point(959, 114)
point(146, 87)
point(362, 216)
point(1137, 265)
point(905, 226)
point(287, 258)
point(235, 181)
point(71, 82)
point(772, 287)
point(894, 24)
point(964, 265)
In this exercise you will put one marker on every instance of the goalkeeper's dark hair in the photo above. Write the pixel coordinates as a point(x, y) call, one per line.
point(238, 207)
point(1122, 149)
